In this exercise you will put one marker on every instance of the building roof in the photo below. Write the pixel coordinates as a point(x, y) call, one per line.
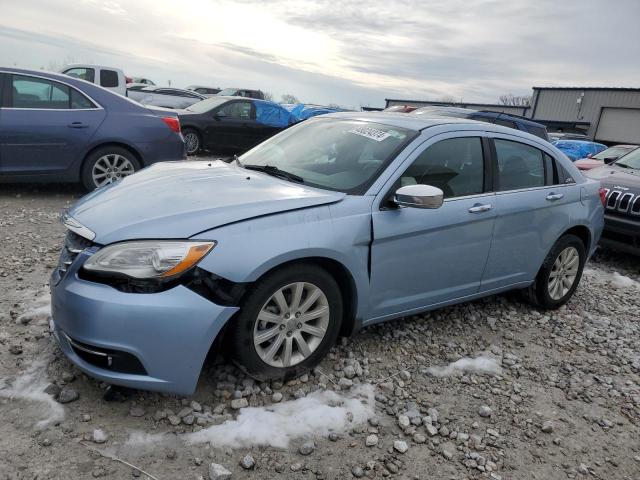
point(444, 104)
point(615, 89)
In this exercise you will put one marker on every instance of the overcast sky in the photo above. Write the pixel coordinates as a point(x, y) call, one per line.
point(348, 52)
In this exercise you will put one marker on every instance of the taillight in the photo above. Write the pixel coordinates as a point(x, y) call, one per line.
point(603, 196)
point(173, 123)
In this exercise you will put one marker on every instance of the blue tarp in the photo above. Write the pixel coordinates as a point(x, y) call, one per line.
point(272, 114)
point(301, 111)
point(577, 149)
point(276, 115)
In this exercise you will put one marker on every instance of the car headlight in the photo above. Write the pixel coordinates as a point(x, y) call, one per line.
point(149, 259)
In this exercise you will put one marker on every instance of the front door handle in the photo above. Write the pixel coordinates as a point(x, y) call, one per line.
point(552, 197)
point(480, 208)
point(78, 125)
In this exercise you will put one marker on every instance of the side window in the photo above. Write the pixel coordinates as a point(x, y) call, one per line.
point(237, 110)
point(108, 78)
point(519, 165)
point(31, 92)
point(79, 101)
point(88, 74)
point(456, 166)
point(553, 178)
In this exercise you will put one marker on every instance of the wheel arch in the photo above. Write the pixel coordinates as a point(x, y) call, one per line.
point(583, 233)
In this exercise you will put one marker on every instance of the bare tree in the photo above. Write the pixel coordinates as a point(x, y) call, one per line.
point(268, 96)
point(288, 98)
point(515, 100)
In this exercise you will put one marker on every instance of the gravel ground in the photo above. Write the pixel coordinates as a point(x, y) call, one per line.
point(550, 395)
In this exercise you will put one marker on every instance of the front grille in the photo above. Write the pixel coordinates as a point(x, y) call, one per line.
point(622, 203)
point(73, 245)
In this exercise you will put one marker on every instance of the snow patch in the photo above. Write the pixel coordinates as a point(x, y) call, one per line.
point(30, 386)
point(615, 279)
point(318, 414)
point(480, 364)
point(40, 310)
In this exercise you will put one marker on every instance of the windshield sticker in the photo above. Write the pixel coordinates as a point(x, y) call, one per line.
point(372, 133)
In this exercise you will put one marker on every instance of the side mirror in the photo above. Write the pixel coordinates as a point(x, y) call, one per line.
point(219, 115)
point(419, 196)
point(609, 160)
point(590, 155)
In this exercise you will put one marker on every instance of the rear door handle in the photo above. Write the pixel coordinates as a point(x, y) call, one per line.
point(78, 125)
point(552, 197)
point(480, 208)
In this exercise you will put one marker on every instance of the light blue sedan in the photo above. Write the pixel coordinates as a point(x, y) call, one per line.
point(340, 222)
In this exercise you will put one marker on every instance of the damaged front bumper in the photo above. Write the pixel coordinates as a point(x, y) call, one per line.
point(150, 341)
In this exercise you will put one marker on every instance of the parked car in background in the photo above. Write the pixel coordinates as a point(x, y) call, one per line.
point(164, 96)
point(107, 77)
point(506, 120)
point(231, 124)
point(339, 222)
point(401, 109)
point(202, 90)
point(605, 157)
point(241, 92)
point(621, 183)
point(576, 149)
point(56, 128)
point(141, 80)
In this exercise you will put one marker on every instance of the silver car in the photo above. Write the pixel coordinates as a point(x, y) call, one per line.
point(164, 96)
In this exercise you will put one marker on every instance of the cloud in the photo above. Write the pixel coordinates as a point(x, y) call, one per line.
point(350, 53)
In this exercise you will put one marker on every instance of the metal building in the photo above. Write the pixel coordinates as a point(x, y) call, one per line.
point(608, 115)
point(522, 111)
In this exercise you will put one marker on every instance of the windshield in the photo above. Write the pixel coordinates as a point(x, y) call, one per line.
point(228, 92)
point(631, 160)
point(613, 152)
point(343, 155)
point(207, 105)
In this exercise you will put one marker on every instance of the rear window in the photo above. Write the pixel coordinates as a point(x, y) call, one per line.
point(108, 78)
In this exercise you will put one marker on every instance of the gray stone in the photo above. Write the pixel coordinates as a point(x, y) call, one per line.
point(239, 403)
point(357, 471)
point(400, 446)
point(371, 441)
point(349, 371)
point(484, 411)
point(276, 397)
point(547, 427)
point(98, 436)
point(403, 421)
point(247, 462)
point(431, 430)
point(307, 448)
point(67, 394)
point(218, 472)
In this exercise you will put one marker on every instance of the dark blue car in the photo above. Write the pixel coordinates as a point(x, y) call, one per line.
point(57, 128)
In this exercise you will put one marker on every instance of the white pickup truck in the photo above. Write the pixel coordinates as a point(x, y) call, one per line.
point(107, 77)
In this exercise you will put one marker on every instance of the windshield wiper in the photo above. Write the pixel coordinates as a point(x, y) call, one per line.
point(237, 160)
point(621, 165)
point(275, 171)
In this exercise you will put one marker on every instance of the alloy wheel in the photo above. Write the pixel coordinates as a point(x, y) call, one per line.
point(192, 142)
point(563, 273)
point(291, 324)
point(110, 168)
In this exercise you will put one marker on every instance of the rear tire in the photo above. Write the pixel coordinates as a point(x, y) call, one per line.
point(107, 165)
point(287, 323)
point(560, 274)
point(192, 141)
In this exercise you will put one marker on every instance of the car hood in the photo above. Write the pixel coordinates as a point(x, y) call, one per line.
point(181, 199)
point(612, 176)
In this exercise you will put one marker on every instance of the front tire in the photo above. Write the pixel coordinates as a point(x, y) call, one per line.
point(107, 165)
point(192, 140)
point(287, 323)
point(560, 273)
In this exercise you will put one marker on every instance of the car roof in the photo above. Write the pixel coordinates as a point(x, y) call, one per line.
point(413, 122)
point(577, 142)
